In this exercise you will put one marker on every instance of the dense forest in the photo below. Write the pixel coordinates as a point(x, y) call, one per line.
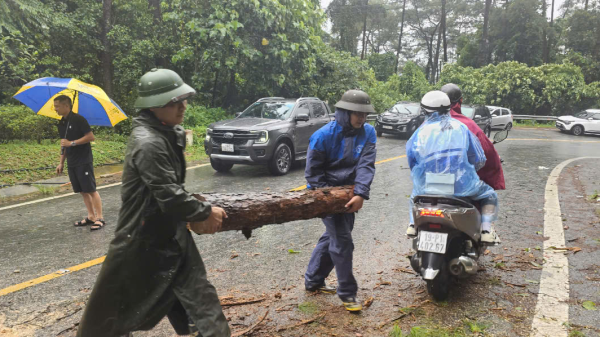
point(514, 53)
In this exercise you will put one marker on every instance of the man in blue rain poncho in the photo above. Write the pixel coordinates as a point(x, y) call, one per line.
point(341, 153)
point(444, 157)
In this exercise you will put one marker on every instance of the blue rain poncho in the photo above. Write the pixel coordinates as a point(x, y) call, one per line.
point(444, 157)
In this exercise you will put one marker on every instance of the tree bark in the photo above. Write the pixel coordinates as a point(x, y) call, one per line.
point(160, 60)
point(545, 47)
point(106, 56)
point(586, 5)
point(400, 38)
point(364, 45)
point(483, 47)
point(246, 212)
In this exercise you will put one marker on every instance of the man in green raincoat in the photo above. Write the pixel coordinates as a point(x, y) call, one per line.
point(153, 267)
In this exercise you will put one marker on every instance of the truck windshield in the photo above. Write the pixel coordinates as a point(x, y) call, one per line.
point(268, 110)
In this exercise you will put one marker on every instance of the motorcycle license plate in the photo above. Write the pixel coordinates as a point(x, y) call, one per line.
point(433, 242)
point(388, 127)
point(227, 147)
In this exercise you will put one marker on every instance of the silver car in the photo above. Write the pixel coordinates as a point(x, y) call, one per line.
point(501, 117)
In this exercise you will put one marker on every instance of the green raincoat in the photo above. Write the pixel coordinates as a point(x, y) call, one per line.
point(153, 267)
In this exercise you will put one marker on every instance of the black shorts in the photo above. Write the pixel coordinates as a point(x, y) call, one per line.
point(82, 178)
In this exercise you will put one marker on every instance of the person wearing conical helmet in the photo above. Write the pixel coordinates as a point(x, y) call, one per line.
point(341, 153)
point(444, 150)
point(153, 268)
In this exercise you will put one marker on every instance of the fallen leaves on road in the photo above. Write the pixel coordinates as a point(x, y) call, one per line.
point(589, 305)
point(229, 301)
point(368, 302)
point(291, 251)
point(572, 249)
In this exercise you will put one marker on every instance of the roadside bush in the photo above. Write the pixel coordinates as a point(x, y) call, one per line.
point(198, 118)
point(550, 89)
point(21, 123)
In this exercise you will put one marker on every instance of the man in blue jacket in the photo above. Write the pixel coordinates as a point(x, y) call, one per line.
point(341, 153)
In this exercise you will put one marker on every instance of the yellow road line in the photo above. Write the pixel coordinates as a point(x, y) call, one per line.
point(52, 276)
point(99, 260)
point(555, 140)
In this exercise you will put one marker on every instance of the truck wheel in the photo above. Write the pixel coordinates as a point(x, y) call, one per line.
point(220, 166)
point(281, 162)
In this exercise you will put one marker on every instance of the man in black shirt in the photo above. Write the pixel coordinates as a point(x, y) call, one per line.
point(76, 135)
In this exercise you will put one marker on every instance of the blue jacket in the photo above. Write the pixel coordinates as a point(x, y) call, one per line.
point(339, 155)
point(444, 157)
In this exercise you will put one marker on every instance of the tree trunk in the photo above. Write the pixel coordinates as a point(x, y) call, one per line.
point(545, 48)
point(364, 45)
point(586, 5)
point(445, 43)
point(437, 57)
point(106, 56)
point(400, 38)
point(214, 91)
point(160, 60)
point(552, 15)
point(483, 47)
point(246, 212)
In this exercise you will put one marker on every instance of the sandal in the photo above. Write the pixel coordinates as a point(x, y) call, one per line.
point(96, 226)
point(83, 222)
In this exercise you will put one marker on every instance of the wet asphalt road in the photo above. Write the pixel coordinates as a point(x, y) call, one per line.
point(39, 239)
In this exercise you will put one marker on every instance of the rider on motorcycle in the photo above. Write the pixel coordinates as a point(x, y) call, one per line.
point(491, 173)
point(444, 157)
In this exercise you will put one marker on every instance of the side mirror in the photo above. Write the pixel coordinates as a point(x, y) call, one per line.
point(302, 118)
point(494, 115)
point(590, 119)
point(500, 136)
point(238, 114)
point(477, 117)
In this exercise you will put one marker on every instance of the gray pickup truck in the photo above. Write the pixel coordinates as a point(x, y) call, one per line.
point(273, 131)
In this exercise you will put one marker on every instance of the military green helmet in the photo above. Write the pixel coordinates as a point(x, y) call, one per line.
point(356, 100)
point(158, 87)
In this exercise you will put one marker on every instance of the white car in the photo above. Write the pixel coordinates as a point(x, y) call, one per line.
point(501, 117)
point(587, 121)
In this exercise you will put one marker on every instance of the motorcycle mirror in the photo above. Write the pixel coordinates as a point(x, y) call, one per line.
point(500, 136)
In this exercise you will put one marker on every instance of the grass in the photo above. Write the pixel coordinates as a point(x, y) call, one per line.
point(308, 308)
point(31, 155)
point(594, 196)
point(535, 124)
point(576, 333)
point(46, 190)
point(423, 331)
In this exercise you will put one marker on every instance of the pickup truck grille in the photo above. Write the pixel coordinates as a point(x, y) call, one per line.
point(239, 137)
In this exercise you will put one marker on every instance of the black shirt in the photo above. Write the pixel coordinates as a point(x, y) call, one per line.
point(74, 127)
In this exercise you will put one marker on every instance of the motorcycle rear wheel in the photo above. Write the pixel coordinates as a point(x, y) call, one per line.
point(439, 287)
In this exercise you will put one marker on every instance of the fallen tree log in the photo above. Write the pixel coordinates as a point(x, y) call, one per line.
point(246, 212)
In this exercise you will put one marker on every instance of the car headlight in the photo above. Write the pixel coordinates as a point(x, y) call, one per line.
point(263, 137)
point(567, 122)
point(208, 132)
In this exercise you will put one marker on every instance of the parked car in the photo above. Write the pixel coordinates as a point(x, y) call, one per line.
point(587, 121)
point(401, 119)
point(501, 117)
point(273, 131)
point(480, 115)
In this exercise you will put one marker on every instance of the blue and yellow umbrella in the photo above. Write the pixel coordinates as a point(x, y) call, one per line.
point(89, 101)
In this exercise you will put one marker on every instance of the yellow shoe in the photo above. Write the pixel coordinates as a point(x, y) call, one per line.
point(352, 304)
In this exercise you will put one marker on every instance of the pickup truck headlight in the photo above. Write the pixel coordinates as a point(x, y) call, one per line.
point(208, 133)
point(263, 137)
point(567, 122)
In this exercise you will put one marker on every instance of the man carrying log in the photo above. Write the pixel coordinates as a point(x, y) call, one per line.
point(153, 267)
point(341, 153)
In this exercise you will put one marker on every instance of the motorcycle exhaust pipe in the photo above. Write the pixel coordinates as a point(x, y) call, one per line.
point(463, 265)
